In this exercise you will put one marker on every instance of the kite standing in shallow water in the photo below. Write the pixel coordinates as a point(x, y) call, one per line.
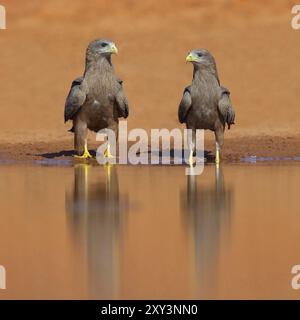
point(96, 101)
point(205, 104)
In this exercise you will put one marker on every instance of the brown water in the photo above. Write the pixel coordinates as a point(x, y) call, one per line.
point(149, 232)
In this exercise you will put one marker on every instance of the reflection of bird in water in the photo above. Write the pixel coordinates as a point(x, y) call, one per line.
point(96, 208)
point(208, 214)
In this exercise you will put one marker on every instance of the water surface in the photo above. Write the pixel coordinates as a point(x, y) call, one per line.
point(149, 232)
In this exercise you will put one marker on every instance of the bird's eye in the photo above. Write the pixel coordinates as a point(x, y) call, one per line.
point(199, 54)
point(103, 45)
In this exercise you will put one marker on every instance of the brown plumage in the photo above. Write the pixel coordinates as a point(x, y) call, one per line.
point(205, 104)
point(96, 100)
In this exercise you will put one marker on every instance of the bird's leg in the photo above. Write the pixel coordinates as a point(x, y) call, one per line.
point(191, 159)
point(86, 153)
point(80, 139)
point(107, 152)
point(219, 143)
point(217, 153)
point(192, 141)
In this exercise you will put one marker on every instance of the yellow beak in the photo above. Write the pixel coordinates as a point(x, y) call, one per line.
point(190, 58)
point(113, 48)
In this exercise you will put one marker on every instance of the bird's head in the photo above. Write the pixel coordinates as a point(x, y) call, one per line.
point(101, 47)
point(201, 57)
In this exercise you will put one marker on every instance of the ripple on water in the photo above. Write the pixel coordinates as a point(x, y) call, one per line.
point(254, 159)
point(54, 162)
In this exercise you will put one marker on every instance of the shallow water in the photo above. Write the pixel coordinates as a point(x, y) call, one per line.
point(149, 231)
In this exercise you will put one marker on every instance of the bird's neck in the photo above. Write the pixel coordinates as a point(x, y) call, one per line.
point(100, 65)
point(205, 74)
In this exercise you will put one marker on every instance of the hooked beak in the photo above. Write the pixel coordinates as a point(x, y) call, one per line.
point(191, 57)
point(113, 48)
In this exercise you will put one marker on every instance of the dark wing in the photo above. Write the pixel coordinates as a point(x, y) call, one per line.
point(121, 100)
point(185, 105)
point(225, 106)
point(76, 98)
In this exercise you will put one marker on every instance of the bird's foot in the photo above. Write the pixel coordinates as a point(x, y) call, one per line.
point(191, 159)
point(86, 154)
point(107, 153)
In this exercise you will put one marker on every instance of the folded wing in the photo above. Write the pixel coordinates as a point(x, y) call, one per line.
point(225, 107)
point(75, 98)
point(185, 105)
point(122, 102)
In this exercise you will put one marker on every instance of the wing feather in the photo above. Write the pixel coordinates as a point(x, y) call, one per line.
point(225, 106)
point(75, 98)
point(185, 105)
point(122, 101)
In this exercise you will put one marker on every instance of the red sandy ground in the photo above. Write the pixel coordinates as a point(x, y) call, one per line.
point(256, 50)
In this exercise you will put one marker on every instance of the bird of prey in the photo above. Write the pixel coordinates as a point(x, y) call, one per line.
point(96, 100)
point(205, 103)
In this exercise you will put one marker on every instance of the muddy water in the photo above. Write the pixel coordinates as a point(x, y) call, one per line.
point(149, 232)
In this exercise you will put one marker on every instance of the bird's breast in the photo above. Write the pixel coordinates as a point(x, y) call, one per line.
point(98, 113)
point(204, 111)
point(96, 103)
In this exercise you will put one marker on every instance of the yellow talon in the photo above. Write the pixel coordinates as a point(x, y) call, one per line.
point(86, 154)
point(191, 160)
point(107, 152)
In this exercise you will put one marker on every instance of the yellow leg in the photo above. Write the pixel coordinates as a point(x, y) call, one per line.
point(107, 152)
point(86, 153)
point(191, 160)
point(217, 156)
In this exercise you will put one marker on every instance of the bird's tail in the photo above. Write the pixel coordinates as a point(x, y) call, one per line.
point(230, 117)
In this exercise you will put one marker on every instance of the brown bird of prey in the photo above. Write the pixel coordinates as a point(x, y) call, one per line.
point(205, 104)
point(96, 100)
